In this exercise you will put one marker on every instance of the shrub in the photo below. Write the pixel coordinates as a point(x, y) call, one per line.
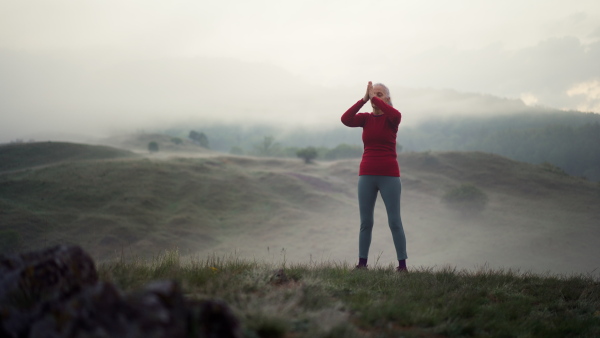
point(152, 147)
point(199, 138)
point(465, 198)
point(308, 154)
point(268, 147)
point(176, 140)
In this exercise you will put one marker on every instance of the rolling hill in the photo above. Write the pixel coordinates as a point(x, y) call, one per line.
point(30, 155)
point(538, 218)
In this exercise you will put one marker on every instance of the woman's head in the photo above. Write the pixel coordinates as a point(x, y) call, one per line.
point(382, 92)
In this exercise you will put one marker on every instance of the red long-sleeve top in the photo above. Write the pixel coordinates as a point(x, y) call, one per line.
point(379, 137)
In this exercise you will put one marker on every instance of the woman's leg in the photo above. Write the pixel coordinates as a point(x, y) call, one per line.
point(391, 189)
point(367, 195)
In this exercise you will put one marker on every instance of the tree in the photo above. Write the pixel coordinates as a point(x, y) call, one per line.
point(466, 198)
point(153, 147)
point(308, 154)
point(268, 147)
point(199, 138)
point(176, 140)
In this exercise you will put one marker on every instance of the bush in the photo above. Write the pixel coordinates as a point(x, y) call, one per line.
point(465, 198)
point(268, 147)
point(153, 147)
point(199, 138)
point(308, 154)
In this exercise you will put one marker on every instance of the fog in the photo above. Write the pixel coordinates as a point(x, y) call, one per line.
point(88, 69)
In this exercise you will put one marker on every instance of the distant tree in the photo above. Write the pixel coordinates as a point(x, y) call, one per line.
point(308, 154)
point(199, 138)
point(466, 198)
point(153, 147)
point(177, 140)
point(268, 147)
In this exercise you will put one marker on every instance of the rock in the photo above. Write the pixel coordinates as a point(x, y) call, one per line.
point(67, 300)
point(28, 281)
point(47, 274)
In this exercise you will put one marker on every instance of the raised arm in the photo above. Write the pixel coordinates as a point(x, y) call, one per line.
point(391, 113)
point(350, 117)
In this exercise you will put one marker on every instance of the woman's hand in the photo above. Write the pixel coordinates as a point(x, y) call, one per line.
point(369, 94)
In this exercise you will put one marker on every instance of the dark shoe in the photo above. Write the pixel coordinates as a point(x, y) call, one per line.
point(402, 270)
point(361, 267)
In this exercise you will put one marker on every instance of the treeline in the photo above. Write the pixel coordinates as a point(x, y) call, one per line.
point(569, 140)
point(269, 147)
point(573, 145)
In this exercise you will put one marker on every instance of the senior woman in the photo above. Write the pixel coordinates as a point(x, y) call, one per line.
point(379, 171)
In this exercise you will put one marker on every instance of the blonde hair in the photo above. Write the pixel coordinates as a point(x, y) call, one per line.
point(386, 89)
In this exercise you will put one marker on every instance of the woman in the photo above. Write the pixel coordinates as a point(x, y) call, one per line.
point(379, 171)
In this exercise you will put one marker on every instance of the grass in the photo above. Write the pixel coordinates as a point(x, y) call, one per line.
point(331, 300)
point(52, 193)
point(27, 155)
point(139, 203)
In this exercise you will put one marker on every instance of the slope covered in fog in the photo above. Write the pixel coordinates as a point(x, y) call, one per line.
point(537, 217)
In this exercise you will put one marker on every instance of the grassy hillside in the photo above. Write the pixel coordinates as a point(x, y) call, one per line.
point(145, 205)
point(537, 218)
point(28, 155)
point(329, 299)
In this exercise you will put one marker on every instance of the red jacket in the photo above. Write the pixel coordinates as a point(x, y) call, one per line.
point(379, 137)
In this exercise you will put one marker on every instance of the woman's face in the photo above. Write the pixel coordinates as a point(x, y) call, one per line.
point(379, 91)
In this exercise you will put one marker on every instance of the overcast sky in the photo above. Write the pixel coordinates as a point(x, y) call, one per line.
point(69, 63)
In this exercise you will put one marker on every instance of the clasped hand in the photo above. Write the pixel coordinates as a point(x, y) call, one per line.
point(370, 93)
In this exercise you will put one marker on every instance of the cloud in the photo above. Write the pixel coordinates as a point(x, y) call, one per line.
point(529, 99)
point(95, 94)
point(590, 91)
point(91, 94)
point(546, 70)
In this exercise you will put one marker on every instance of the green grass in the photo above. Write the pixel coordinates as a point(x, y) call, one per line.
point(27, 155)
point(86, 195)
point(331, 300)
point(143, 204)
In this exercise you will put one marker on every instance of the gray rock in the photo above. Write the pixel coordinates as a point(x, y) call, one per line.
point(56, 293)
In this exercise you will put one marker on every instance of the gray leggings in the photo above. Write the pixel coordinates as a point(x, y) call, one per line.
point(390, 188)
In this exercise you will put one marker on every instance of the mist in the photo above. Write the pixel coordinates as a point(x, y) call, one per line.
point(86, 70)
point(90, 97)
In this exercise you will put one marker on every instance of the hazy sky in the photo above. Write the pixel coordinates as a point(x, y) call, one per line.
point(73, 63)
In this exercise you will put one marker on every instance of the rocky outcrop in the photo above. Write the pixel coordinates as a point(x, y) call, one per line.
point(56, 293)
